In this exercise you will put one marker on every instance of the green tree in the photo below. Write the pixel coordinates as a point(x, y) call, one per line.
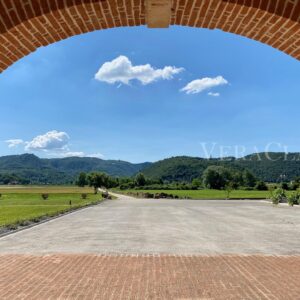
point(82, 180)
point(229, 188)
point(140, 179)
point(249, 179)
point(284, 186)
point(261, 186)
point(98, 180)
point(278, 196)
point(293, 198)
point(216, 177)
point(196, 183)
point(237, 180)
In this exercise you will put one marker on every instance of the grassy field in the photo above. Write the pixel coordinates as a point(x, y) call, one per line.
point(21, 204)
point(38, 189)
point(206, 194)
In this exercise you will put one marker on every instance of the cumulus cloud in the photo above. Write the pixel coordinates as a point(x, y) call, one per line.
point(79, 154)
point(73, 154)
point(14, 143)
point(52, 140)
point(54, 143)
point(95, 155)
point(213, 94)
point(121, 70)
point(200, 85)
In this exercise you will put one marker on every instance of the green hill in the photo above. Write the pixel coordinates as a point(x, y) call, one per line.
point(265, 166)
point(62, 170)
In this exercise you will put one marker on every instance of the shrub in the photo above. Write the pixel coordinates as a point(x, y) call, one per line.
point(294, 186)
point(83, 196)
point(284, 186)
point(261, 186)
point(45, 196)
point(228, 190)
point(163, 196)
point(12, 226)
point(25, 223)
point(293, 198)
point(105, 195)
point(278, 196)
point(147, 195)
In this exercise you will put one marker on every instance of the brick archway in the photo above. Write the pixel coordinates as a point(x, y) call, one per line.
point(26, 25)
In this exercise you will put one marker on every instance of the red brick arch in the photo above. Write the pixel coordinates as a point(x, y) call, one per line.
point(26, 25)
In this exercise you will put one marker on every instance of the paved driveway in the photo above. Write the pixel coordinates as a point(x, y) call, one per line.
point(167, 227)
point(83, 255)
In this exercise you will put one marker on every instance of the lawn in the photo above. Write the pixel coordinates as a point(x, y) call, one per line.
point(206, 194)
point(21, 204)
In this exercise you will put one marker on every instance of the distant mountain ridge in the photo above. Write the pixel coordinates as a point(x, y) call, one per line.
point(63, 170)
point(270, 167)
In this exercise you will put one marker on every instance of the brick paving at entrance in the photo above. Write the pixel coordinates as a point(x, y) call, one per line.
point(86, 276)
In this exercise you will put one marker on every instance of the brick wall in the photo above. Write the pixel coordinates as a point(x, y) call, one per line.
point(26, 25)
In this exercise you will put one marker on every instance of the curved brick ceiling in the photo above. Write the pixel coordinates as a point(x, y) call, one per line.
point(26, 25)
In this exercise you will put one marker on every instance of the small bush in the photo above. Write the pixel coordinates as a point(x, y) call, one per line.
point(105, 195)
point(162, 195)
point(284, 186)
point(294, 186)
point(0, 195)
point(25, 223)
point(83, 196)
point(12, 226)
point(147, 195)
point(45, 196)
point(261, 186)
point(278, 196)
point(293, 199)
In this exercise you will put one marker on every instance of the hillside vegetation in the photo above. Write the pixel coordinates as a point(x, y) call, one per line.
point(269, 167)
point(28, 168)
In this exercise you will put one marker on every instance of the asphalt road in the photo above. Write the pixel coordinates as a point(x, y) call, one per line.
point(142, 226)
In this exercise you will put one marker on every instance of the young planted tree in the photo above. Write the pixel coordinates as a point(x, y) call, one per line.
point(82, 180)
point(140, 179)
point(278, 196)
point(249, 179)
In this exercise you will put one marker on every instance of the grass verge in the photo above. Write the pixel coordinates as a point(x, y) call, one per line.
point(27, 207)
point(202, 194)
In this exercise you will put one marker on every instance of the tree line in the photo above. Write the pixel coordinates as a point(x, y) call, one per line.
point(213, 177)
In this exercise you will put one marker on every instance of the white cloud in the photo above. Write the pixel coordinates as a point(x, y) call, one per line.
point(121, 70)
point(200, 85)
point(52, 140)
point(54, 143)
point(79, 154)
point(73, 153)
point(213, 94)
point(14, 143)
point(96, 155)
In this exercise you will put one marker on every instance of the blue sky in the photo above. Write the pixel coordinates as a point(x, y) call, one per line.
point(52, 104)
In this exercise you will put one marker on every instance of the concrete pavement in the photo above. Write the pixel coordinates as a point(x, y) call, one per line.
point(143, 226)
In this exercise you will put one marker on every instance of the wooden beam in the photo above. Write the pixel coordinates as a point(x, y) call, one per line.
point(158, 13)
